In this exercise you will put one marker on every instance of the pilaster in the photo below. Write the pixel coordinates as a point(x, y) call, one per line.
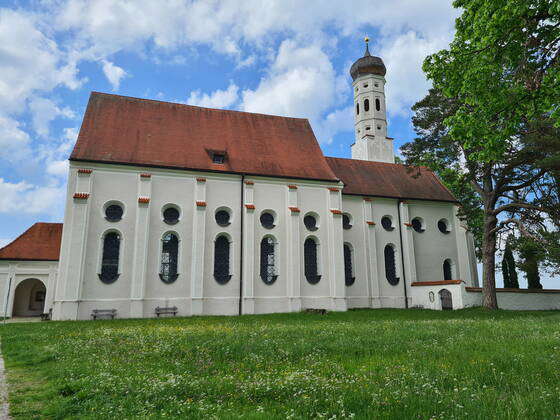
point(249, 249)
point(371, 254)
point(335, 253)
point(198, 242)
point(407, 248)
point(141, 239)
point(293, 249)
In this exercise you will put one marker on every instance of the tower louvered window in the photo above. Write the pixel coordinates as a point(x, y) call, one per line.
point(169, 258)
point(390, 266)
point(377, 104)
point(310, 261)
point(110, 258)
point(221, 260)
point(268, 264)
point(357, 109)
point(366, 105)
point(348, 269)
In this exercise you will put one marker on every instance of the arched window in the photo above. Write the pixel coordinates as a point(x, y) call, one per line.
point(366, 105)
point(221, 260)
point(169, 258)
point(310, 261)
point(110, 259)
point(268, 264)
point(348, 269)
point(390, 266)
point(447, 270)
point(357, 109)
point(377, 104)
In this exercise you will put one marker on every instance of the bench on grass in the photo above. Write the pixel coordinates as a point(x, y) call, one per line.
point(166, 310)
point(103, 313)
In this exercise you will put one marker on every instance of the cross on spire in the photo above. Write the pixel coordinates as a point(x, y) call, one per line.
point(366, 39)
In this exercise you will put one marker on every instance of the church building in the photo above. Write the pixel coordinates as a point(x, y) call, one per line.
point(180, 210)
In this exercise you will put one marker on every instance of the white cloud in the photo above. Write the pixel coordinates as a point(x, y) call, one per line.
point(113, 73)
point(403, 57)
point(44, 111)
point(14, 142)
point(4, 242)
point(217, 99)
point(300, 83)
point(30, 61)
point(23, 197)
point(58, 168)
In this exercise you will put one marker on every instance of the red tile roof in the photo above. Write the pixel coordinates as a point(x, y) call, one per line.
point(390, 180)
point(118, 129)
point(41, 242)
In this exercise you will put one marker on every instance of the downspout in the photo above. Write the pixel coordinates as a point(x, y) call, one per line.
point(241, 245)
point(402, 255)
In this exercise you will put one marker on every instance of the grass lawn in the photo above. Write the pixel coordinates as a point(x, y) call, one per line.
point(407, 364)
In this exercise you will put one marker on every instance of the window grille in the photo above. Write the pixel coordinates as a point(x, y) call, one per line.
point(221, 260)
point(346, 222)
point(268, 264)
point(222, 218)
point(169, 258)
point(366, 105)
point(310, 222)
point(447, 272)
point(348, 269)
point(267, 220)
point(387, 223)
point(110, 258)
point(171, 215)
point(310, 261)
point(390, 266)
point(113, 213)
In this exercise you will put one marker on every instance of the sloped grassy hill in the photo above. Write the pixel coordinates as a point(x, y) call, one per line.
point(410, 364)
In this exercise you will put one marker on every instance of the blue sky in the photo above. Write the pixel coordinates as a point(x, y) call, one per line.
point(279, 57)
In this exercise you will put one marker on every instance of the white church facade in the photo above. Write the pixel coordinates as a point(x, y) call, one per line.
point(182, 210)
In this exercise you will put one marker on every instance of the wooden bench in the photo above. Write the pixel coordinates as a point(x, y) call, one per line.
point(103, 313)
point(166, 310)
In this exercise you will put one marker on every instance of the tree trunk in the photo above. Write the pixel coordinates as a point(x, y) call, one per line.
point(489, 299)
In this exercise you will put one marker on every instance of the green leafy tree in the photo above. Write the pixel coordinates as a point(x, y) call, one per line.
point(532, 254)
point(509, 272)
point(502, 74)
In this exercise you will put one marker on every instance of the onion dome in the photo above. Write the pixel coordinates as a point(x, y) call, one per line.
point(368, 64)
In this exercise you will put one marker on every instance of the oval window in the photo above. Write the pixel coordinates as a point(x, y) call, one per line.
point(366, 105)
point(171, 215)
point(346, 222)
point(417, 225)
point(222, 217)
point(267, 220)
point(113, 213)
point(310, 222)
point(443, 226)
point(387, 223)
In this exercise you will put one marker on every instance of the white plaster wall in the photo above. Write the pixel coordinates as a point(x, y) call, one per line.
point(543, 300)
point(421, 296)
point(432, 247)
point(18, 271)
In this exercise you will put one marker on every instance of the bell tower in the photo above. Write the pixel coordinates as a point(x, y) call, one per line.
point(370, 115)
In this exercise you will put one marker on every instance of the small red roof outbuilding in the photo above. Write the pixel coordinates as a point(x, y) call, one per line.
point(41, 242)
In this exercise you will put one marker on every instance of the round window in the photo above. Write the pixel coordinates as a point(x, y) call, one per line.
point(310, 222)
point(387, 223)
point(222, 218)
point(113, 213)
point(346, 222)
point(417, 225)
point(267, 220)
point(443, 226)
point(171, 215)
